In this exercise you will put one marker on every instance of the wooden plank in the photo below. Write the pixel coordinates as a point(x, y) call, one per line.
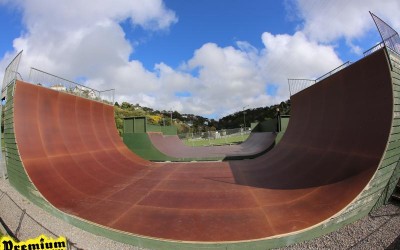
point(16, 162)
point(9, 140)
point(396, 78)
point(395, 70)
point(396, 108)
point(388, 161)
point(22, 177)
point(8, 131)
point(368, 200)
point(395, 67)
point(394, 137)
point(393, 144)
point(13, 151)
point(396, 87)
point(8, 116)
point(392, 152)
point(383, 173)
point(11, 146)
point(396, 130)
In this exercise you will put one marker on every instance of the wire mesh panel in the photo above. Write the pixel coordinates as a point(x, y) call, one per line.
point(11, 73)
point(210, 138)
point(297, 85)
point(48, 80)
point(389, 36)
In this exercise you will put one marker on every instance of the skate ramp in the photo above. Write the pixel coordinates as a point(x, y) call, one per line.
point(255, 145)
point(327, 171)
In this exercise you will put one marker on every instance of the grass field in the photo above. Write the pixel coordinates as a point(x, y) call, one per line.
point(216, 142)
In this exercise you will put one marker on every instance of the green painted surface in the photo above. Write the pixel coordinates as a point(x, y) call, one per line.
point(169, 130)
point(394, 146)
point(270, 125)
point(166, 130)
point(128, 126)
point(135, 124)
point(224, 140)
point(140, 144)
point(139, 125)
point(284, 125)
point(153, 128)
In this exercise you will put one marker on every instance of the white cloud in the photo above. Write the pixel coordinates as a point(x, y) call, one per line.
point(295, 56)
point(230, 78)
point(327, 21)
point(81, 38)
point(76, 39)
point(62, 16)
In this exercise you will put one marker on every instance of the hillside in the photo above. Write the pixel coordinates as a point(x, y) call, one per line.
point(195, 123)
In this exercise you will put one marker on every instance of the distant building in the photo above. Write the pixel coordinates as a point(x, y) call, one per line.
point(59, 87)
point(83, 91)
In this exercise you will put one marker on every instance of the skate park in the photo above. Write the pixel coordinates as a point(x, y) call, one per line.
point(156, 143)
point(328, 170)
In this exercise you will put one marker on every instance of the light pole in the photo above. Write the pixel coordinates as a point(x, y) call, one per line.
point(244, 118)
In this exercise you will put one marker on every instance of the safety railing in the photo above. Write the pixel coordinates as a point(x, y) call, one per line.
point(390, 40)
point(220, 137)
point(373, 49)
point(37, 76)
point(337, 69)
point(297, 85)
point(11, 73)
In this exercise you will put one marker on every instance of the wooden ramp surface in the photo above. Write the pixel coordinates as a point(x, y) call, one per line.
point(73, 154)
point(171, 145)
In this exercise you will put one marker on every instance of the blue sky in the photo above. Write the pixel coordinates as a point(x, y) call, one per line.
point(209, 57)
point(200, 22)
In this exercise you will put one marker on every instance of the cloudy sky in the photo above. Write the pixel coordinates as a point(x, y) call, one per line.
point(209, 57)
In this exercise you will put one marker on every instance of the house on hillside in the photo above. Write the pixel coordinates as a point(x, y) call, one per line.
point(59, 87)
point(83, 91)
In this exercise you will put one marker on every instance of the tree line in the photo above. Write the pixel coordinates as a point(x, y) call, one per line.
point(195, 123)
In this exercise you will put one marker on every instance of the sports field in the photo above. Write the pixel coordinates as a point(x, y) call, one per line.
point(199, 142)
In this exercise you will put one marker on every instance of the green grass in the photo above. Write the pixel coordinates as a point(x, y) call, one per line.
point(216, 142)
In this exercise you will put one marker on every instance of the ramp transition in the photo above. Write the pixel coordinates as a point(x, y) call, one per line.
point(155, 146)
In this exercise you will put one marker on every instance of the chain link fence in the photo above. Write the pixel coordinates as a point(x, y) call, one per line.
point(297, 85)
point(37, 76)
point(389, 36)
point(220, 137)
point(11, 73)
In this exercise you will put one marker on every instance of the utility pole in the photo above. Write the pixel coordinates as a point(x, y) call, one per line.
point(244, 118)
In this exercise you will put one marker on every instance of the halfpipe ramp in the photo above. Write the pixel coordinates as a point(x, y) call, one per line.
point(328, 170)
